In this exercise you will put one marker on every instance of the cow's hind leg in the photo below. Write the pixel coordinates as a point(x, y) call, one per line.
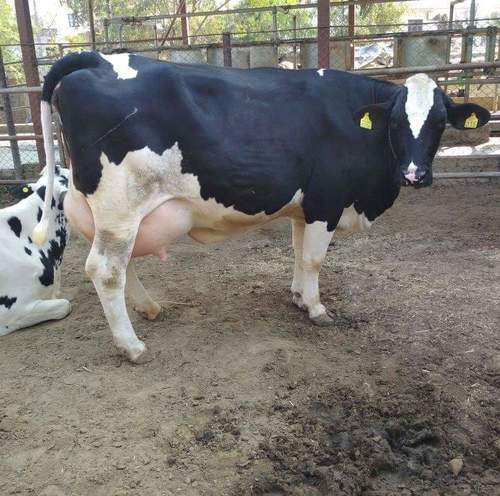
point(315, 245)
point(138, 296)
point(107, 265)
point(36, 312)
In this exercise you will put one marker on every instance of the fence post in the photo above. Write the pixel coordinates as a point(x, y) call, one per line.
point(294, 43)
point(184, 23)
point(91, 22)
point(351, 23)
point(226, 49)
point(324, 34)
point(467, 44)
point(275, 24)
point(396, 51)
point(30, 66)
point(491, 40)
point(9, 120)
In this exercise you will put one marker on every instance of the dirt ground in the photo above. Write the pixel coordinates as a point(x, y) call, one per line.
point(246, 397)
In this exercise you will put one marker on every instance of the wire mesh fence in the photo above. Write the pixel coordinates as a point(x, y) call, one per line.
point(286, 37)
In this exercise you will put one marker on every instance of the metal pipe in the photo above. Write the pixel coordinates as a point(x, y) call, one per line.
point(466, 175)
point(324, 34)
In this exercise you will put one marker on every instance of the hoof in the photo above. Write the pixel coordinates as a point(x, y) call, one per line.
point(297, 300)
point(154, 312)
point(136, 353)
point(146, 357)
point(322, 320)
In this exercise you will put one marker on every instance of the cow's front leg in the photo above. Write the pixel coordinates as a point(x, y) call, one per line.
point(106, 266)
point(139, 297)
point(314, 248)
point(297, 287)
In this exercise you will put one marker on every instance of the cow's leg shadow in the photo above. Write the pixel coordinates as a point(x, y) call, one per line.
point(38, 311)
point(107, 266)
point(315, 241)
point(142, 303)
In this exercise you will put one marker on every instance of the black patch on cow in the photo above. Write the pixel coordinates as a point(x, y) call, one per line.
point(39, 214)
point(63, 181)
point(41, 192)
point(53, 203)
point(29, 240)
point(60, 205)
point(52, 259)
point(15, 225)
point(27, 250)
point(7, 302)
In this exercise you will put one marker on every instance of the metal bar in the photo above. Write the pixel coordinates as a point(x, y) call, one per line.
point(90, 5)
point(226, 49)
point(429, 68)
point(295, 44)
point(248, 10)
point(275, 24)
point(21, 89)
point(17, 181)
point(324, 34)
point(184, 23)
point(30, 68)
point(22, 137)
point(350, 32)
point(465, 175)
point(9, 121)
point(449, 82)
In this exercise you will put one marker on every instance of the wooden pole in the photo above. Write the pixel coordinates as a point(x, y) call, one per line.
point(351, 22)
point(9, 120)
point(184, 23)
point(30, 69)
point(91, 23)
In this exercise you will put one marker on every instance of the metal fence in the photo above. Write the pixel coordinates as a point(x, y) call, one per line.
point(463, 57)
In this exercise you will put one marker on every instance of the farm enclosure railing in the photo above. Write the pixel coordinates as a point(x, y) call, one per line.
point(462, 57)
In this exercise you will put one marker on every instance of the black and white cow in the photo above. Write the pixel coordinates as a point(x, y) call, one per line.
point(159, 150)
point(30, 274)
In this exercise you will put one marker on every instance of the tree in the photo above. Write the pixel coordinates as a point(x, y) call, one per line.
point(253, 23)
point(378, 17)
point(116, 8)
point(9, 35)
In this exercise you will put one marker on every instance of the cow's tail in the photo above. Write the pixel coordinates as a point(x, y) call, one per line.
point(68, 64)
point(40, 233)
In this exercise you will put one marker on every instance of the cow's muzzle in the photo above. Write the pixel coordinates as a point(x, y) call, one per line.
point(416, 177)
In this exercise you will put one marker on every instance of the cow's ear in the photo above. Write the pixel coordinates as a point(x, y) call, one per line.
point(22, 192)
point(466, 115)
point(372, 117)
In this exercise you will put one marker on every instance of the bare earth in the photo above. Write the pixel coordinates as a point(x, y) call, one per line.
point(246, 397)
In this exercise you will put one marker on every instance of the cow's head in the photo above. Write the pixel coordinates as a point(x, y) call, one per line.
point(60, 185)
point(415, 119)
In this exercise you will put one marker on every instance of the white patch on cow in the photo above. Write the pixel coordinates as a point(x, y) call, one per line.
point(321, 72)
point(410, 173)
point(419, 101)
point(154, 188)
point(351, 221)
point(120, 63)
point(21, 265)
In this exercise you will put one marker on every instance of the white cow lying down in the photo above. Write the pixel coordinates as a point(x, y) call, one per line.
point(29, 274)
